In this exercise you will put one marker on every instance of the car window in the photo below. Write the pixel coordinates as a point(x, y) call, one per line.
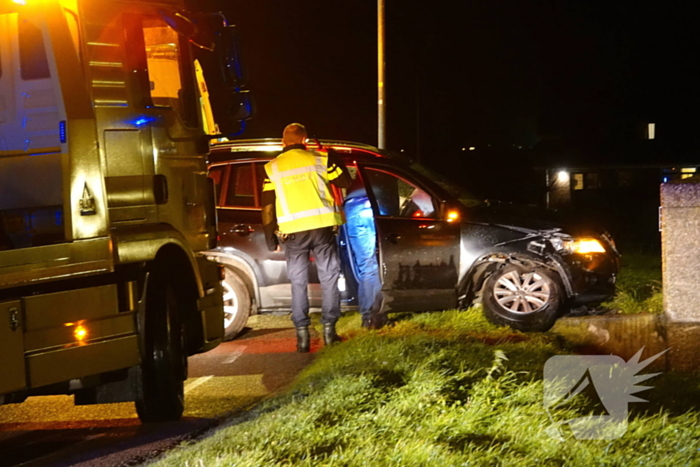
point(241, 186)
point(398, 197)
point(260, 177)
point(466, 198)
point(216, 174)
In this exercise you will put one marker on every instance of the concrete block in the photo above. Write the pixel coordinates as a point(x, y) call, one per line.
point(680, 242)
point(680, 195)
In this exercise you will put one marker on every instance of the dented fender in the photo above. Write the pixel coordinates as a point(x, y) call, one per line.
point(534, 249)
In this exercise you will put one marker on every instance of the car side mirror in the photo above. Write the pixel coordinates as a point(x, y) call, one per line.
point(449, 212)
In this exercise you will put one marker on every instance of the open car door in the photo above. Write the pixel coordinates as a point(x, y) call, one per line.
point(418, 251)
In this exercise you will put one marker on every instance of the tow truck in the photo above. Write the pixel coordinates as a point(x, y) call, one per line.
point(105, 204)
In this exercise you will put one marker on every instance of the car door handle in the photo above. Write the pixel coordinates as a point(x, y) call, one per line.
point(393, 238)
point(242, 229)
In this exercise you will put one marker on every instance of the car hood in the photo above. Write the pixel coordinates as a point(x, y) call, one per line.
point(533, 219)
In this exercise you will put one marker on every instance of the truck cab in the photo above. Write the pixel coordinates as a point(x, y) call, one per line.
point(105, 203)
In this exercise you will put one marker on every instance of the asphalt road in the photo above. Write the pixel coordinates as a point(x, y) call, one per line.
point(51, 431)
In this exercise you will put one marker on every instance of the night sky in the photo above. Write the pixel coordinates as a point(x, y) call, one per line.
point(483, 73)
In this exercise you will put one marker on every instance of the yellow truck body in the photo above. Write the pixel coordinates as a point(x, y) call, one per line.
point(105, 204)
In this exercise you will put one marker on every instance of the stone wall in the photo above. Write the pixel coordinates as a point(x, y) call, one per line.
point(680, 245)
point(680, 254)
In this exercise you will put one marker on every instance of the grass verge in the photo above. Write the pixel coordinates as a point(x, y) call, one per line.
point(442, 389)
point(638, 285)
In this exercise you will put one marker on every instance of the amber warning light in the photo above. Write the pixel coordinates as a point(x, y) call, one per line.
point(80, 333)
point(452, 216)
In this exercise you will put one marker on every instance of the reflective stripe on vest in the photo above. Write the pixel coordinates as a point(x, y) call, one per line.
point(297, 218)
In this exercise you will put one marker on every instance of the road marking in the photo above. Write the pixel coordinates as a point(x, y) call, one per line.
point(196, 383)
point(233, 356)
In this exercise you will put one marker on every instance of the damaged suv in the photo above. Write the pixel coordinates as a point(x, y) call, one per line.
point(438, 246)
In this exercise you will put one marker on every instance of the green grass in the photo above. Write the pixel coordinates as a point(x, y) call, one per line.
point(442, 389)
point(638, 285)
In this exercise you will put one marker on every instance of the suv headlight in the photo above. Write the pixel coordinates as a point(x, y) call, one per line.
point(582, 246)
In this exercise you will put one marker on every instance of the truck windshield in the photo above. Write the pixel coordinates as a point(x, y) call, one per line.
point(466, 198)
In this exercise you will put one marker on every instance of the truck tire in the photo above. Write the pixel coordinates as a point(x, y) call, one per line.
point(237, 304)
point(164, 365)
point(526, 298)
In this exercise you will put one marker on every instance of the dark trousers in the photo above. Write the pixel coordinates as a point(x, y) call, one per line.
point(322, 243)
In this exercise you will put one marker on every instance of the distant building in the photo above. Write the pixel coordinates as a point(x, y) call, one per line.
point(624, 199)
point(615, 184)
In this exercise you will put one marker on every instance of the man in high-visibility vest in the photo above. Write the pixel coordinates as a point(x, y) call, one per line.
point(299, 210)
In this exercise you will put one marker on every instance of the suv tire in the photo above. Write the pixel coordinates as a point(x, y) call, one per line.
point(237, 304)
point(526, 298)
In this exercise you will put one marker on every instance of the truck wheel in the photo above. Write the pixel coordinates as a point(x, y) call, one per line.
point(237, 304)
point(164, 365)
point(526, 298)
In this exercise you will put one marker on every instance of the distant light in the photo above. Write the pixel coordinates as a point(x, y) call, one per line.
point(665, 179)
point(688, 170)
point(563, 176)
point(341, 283)
point(651, 130)
point(472, 148)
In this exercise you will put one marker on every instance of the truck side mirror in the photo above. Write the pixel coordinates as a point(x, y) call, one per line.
point(241, 106)
point(198, 28)
point(230, 53)
point(231, 103)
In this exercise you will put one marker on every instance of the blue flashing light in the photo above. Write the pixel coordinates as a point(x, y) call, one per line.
point(62, 133)
point(142, 120)
point(241, 131)
point(665, 179)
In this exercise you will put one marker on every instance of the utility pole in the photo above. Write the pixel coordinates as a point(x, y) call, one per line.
point(418, 115)
point(380, 74)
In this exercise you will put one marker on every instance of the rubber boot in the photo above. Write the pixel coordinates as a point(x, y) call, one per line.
point(329, 334)
point(303, 339)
